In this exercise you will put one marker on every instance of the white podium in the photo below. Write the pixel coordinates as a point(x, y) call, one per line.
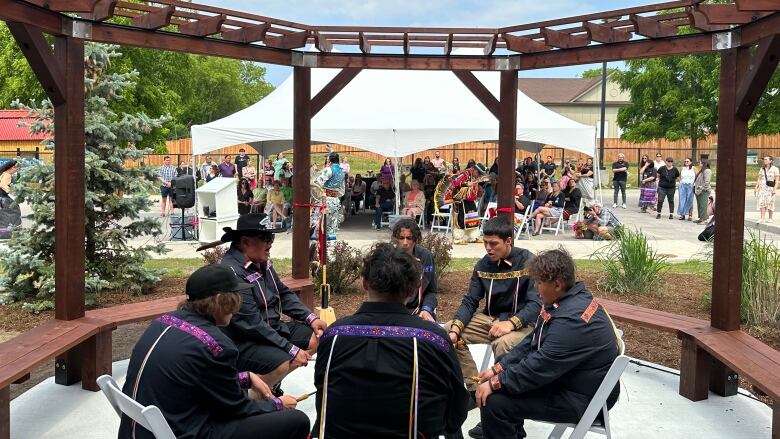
point(217, 207)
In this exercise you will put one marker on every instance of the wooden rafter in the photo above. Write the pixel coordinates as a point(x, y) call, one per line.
point(249, 34)
point(365, 46)
point(700, 21)
point(104, 9)
point(332, 88)
point(67, 5)
point(757, 5)
point(605, 34)
point(729, 14)
point(564, 40)
point(322, 43)
point(407, 45)
point(448, 45)
point(652, 28)
point(490, 46)
point(479, 90)
point(41, 59)
point(204, 27)
point(754, 83)
point(524, 44)
point(291, 41)
point(154, 20)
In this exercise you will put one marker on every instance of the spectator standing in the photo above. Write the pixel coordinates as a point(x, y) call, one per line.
point(384, 202)
point(619, 178)
point(227, 168)
point(184, 169)
point(245, 197)
point(344, 165)
point(548, 169)
point(658, 162)
point(438, 162)
point(287, 171)
point(766, 187)
point(206, 166)
point(667, 182)
point(702, 188)
point(494, 167)
point(375, 185)
point(166, 172)
point(250, 173)
point(529, 166)
point(567, 173)
point(268, 173)
point(358, 193)
point(213, 173)
point(403, 186)
point(242, 160)
point(387, 171)
point(585, 182)
point(455, 168)
point(418, 171)
point(531, 185)
point(278, 165)
point(687, 178)
point(648, 192)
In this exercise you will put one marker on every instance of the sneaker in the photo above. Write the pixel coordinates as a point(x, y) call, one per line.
point(624, 205)
point(671, 216)
point(614, 205)
point(768, 221)
point(476, 432)
point(658, 216)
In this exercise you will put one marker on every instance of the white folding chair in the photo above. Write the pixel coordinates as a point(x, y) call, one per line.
point(149, 417)
point(421, 221)
point(588, 421)
point(441, 219)
point(486, 216)
point(525, 223)
point(552, 223)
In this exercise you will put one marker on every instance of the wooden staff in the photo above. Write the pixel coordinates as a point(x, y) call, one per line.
point(305, 397)
point(325, 312)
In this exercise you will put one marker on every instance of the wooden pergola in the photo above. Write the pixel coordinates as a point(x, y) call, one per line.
point(746, 35)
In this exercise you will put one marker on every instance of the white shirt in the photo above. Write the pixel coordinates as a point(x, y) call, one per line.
point(687, 175)
point(657, 165)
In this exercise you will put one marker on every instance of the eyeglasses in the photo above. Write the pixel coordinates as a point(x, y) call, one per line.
point(670, 161)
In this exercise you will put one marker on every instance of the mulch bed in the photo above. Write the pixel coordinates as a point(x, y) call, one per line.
point(679, 294)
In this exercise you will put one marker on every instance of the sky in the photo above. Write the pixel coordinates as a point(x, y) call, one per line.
point(460, 13)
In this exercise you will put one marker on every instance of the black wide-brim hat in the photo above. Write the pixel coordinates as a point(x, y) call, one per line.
point(251, 224)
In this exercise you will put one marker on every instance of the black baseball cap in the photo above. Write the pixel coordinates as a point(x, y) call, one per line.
point(211, 280)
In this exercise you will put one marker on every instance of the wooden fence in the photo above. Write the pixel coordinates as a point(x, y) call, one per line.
point(485, 152)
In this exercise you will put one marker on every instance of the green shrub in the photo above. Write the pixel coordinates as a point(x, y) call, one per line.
point(440, 246)
point(344, 266)
point(760, 281)
point(630, 264)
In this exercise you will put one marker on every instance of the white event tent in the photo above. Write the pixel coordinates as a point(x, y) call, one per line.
point(394, 114)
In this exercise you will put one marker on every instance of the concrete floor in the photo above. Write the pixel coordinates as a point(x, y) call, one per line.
point(649, 406)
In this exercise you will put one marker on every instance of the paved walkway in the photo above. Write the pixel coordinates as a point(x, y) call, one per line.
point(649, 406)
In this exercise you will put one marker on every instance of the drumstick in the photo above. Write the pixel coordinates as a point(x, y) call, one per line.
point(305, 397)
point(476, 379)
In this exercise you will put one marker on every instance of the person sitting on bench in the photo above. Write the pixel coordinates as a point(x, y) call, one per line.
point(553, 375)
point(267, 345)
point(184, 365)
point(384, 373)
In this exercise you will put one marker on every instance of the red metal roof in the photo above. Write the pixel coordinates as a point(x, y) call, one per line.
point(10, 129)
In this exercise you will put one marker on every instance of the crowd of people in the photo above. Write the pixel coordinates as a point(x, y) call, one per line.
point(215, 366)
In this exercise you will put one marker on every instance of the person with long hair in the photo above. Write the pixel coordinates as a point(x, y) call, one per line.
point(249, 172)
point(702, 188)
point(7, 172)
point(387, 171)
point(455, 168)
point(572, 196)
point(530, 185)
point(185, 365)
point(275, 203)
point(414, 202)
point(406, 236)
point(418, 170)
point(11, 217)
point(553, 207)
point(687, 178)
point(585, 182)
point(245, 196)
point(278, 165)
point(766, 187)
point(648, 193)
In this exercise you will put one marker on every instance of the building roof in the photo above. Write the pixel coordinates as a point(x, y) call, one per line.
point(10, 129)
point(556, 90)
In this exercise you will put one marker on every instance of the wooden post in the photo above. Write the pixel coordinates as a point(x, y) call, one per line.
point(694, 370)
point(5, 412)
point(507, 135)
point(96, 354)
point(69, 198)
point(729, 211)
point(301, 177)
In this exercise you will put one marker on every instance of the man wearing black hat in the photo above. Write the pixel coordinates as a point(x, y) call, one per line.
point(184, 365)
point(267, 345)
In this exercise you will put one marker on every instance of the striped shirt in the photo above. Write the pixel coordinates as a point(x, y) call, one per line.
point(167, 173)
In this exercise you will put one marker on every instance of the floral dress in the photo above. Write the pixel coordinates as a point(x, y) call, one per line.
point(766, 196)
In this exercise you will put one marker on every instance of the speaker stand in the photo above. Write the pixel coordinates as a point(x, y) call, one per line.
point(183, 230)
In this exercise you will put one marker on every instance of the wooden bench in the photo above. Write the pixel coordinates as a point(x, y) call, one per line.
point(83, 347)
point(650, 318)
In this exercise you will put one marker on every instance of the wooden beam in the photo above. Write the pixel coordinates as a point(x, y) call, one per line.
point(507, 137)
point(66, 5)
point(407, 46)
point(652, 28)
point(41, 59)
point(490, 46)
point(480, 91)
point(754, 32)
point(604, 34)
point(322, 43)
point(22, 12)
point(291, 41)
point(702, 23)
point(729, 214)
point(5, 412)
point(249, 34)
point(448, 45)
point(204, 27)
point(301, 182)
point(762, 67)
point(104, 9)
point(694, 370)
point(332, 88)
point(156, 19)
point(365, 47)
point(69, 189)
point(730, 14)
point(524, 44)
point(563, 40)
point(757, 5)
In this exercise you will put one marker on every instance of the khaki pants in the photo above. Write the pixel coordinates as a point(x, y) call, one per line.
point(476, 332)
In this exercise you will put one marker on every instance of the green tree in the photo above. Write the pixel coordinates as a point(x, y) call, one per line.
point(18, 82)
point(596, 72)
point(116, 196)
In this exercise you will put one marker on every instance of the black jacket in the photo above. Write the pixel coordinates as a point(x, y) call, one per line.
point(429, 286)
point(509, 291)
point(259, 319)
point(573, 347)
point(370, 378)
point(191, 377)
